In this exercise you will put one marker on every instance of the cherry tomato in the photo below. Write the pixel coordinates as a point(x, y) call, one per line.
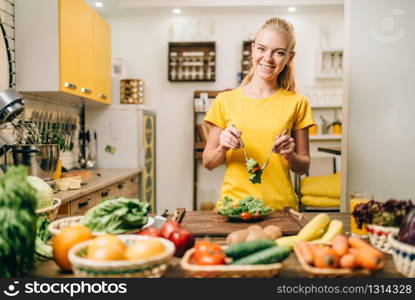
point(256, 215)
point(245, 216)
point(256, 169)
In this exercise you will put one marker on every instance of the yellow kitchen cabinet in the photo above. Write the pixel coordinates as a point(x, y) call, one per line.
point(69, 14)
point(101, 63)
point(86, 45)
point(63, 48)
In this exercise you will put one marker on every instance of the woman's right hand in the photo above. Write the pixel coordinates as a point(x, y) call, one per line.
point(229, 138)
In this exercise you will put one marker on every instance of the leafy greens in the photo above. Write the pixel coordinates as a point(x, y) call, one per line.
point(18, 223)
point(117, 215)
point(255, 170)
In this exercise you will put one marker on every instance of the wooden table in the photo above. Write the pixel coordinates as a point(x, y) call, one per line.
point(291, 267)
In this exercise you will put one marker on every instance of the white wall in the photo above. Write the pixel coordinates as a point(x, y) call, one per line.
point(142, 42)
point(380, 145)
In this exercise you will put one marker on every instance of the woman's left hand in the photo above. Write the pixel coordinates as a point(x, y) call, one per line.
point(284, 145)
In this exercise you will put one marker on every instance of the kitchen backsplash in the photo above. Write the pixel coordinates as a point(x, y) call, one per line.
point(59, 112)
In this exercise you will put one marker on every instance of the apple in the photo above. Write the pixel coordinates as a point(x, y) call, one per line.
point(168, 228)
point(151, 231)
point(182, 239)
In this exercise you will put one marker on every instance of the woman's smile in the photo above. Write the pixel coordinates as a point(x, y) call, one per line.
point(267, 66)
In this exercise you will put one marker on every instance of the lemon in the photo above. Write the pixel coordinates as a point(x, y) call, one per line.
point(106, 247)
point(143, 249)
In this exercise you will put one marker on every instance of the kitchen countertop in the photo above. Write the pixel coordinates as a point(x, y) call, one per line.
point(291, 266)
point(105, 178)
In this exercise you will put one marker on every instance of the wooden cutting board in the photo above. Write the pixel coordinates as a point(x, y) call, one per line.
point(208, 223)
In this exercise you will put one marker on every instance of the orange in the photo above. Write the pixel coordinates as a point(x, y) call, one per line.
point(106, 247)
point(144, 249)
point(65, 240)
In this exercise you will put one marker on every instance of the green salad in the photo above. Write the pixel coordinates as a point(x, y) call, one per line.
point(249, 208)
point(255, 170)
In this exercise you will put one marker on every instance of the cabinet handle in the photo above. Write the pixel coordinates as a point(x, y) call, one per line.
point(104, 194)
point(82, 204)
point(70, 85)
point(102, 96)
point(85, 91)
point(121, 185)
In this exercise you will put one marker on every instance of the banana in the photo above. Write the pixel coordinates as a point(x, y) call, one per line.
point(315, 228)
point(288, 241)
point(311, 231)
point(335, 228)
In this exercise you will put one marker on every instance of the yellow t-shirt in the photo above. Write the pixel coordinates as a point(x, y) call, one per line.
point(260, 121)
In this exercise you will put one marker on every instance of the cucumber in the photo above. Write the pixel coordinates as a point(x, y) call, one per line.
point(246, 248)
point(267, 256)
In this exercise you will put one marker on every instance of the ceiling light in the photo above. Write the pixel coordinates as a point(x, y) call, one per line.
point(177, 11)
point(292, 9)
point(99, 4)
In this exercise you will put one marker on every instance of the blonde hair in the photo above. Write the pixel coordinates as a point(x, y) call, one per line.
point(285, 79)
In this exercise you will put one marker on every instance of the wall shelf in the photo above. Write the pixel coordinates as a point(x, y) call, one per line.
point(329, 63)
point(325, 137)
point(326, 106)
point(192, 62)
point(200, 138)
point(319, 76)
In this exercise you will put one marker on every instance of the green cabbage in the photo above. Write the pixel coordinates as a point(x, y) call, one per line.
point(17, 223)
point(44, 192)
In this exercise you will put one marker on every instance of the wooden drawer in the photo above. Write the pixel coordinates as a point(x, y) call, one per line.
point(81, 205)
point(128, 188)
point(108, 192)
point(64, 210)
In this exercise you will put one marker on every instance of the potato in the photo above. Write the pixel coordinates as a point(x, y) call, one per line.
point(237, 236)
point(257, 235)
point(273, 231)
point(255, 228)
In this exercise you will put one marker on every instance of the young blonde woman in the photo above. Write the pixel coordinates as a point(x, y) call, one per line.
point(265, 113)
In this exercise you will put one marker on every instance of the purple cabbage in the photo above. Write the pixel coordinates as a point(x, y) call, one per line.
point(407, 229)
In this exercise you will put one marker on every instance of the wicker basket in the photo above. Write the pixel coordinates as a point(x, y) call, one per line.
point(378, 236)
point(152, 267)
point(403, 256)
point(227, 271)
point(338, 272)
point(50, 212)
point(56, 226)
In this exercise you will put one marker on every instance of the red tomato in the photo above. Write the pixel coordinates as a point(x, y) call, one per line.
point(204, 246)
point(150, 231)
point(183, 240)
point(245, 216)
point(168, 228)
point(206, 259)
point(207, 253)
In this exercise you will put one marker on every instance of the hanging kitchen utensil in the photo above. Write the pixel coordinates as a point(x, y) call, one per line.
point(90, 162)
